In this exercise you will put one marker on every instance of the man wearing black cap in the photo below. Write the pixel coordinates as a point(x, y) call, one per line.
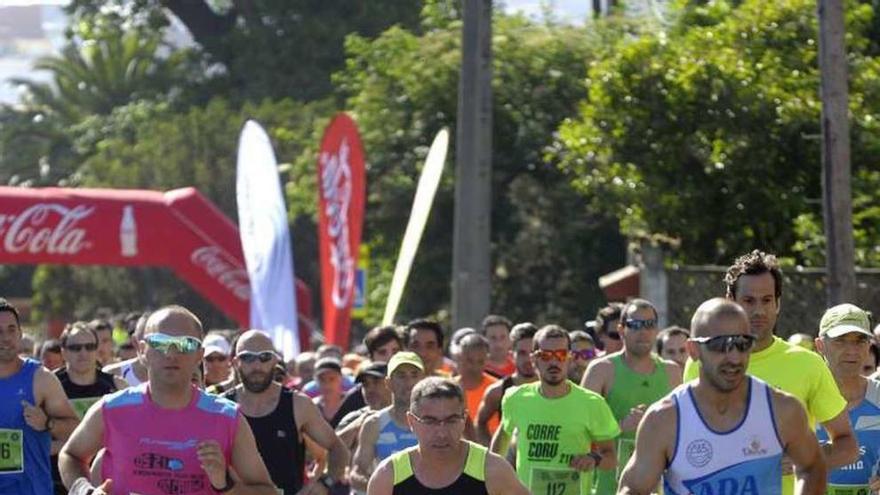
point(375, 392)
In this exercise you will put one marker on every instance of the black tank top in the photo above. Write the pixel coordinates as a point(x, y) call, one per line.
point(279, 444)
point(471, 481)
point(81, 397)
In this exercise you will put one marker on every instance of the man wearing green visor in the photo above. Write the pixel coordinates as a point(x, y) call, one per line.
point(166, 436)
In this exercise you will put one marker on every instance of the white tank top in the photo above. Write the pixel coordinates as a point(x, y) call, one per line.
point(744, 460)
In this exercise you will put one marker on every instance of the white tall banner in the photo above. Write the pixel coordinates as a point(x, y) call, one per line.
point(265, 240)
point(418, 217)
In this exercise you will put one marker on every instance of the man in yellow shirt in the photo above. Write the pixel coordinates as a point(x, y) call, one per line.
point(755, 282)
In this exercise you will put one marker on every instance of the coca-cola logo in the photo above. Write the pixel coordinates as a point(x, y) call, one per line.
point(209, 259)
point(336, 188)
point(35, 230)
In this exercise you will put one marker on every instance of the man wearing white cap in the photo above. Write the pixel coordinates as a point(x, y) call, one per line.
point(388, 431)
point(845, 340)
point(218, 364)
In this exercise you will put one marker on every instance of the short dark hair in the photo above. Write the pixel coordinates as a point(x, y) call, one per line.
point(74, 327)
point(551, 332)
point(379, 336)
point(7, 306)
point(755, 263)
point(608, 314)
point(99, 325)
point(50, 345)
point(669, 332)
point(493, 320)
point(473, 341)
point(425, 324)
point(580, 336)
point(435, 387)
point(636, 304)
point(522, 331)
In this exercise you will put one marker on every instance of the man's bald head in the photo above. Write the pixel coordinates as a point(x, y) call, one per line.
point(719, 316)
point(174, 320)
point(254, 341)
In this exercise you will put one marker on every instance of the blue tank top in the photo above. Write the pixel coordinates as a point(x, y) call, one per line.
point(865, 419)
point(24, 452)
point(392, 438)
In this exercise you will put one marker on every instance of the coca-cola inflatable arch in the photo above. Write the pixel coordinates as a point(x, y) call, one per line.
point(178, 229)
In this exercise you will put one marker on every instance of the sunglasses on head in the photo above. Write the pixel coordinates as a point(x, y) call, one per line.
point(727, 343)
point(544, 355)
point(253, 357)
point(79, 347)
point(584, 354)
point(164, 343)
point(634, 324)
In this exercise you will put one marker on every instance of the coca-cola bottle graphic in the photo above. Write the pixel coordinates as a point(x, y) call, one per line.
point(128, 232)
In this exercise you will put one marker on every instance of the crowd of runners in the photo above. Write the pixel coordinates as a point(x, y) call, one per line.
point(719, 405)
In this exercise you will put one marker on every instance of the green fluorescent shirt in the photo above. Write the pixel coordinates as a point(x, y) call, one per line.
point(798, 371)
point(551, 431)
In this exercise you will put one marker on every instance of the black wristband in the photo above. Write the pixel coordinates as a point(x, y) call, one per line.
point(230, 484)
point(597, 457)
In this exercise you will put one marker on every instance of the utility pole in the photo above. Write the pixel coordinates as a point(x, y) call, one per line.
point(471, 277)
point(836, 189)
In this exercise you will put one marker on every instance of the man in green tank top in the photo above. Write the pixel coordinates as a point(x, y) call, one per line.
point(442, 462)
point(631, 380)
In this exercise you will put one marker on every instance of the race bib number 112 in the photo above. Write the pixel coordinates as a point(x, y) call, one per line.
point(555, 482)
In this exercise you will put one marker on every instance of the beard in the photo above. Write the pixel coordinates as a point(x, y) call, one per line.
point(257, 382)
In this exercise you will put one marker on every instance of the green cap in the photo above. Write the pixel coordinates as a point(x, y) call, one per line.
point(843, 319)
point(404, 357)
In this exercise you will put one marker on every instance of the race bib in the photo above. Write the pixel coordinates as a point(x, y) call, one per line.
point(847, 490)
point(11, 451)
point(546, 481)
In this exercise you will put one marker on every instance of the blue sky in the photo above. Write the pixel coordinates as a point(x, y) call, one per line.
point(568, 10)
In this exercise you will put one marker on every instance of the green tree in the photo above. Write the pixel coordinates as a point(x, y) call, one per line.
point(707, 131)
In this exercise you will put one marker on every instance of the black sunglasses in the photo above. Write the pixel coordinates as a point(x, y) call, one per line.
point(79, 347)
point(252, 357)
point(727, 343)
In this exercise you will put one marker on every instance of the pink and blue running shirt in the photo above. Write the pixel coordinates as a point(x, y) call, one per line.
point(152, 450)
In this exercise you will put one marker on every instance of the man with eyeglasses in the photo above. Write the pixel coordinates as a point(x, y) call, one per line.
point(167, 435)
point(82, 381)
point(281, 418)
point(727, 431)
point(442, 461)
point(583, 352)
point(388, 431)
point(631, 380)
point(33, 412)
point(557, 423)
point(845, 341)
point(754, 281)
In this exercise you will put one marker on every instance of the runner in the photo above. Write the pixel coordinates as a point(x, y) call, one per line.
point(425, 338)
point(82, 381)
point(442, 462)
point(473, 354)
point(671, 344)
point(521, 337)
point(844, 340)
point(388, 431)
point(166, 436)
point(218, 360)
point(373, 386)
point(631, 380)
point(497, 330)
point(583, 351)
point(132, 370)
point(755, 282)
point(33, 412)
point(280, 418)
point(556, 423)
point(104, 330)
point(727, 431)
point(328, 375)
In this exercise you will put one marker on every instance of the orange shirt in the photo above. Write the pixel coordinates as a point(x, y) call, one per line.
point(501, 371)
point(474, 396)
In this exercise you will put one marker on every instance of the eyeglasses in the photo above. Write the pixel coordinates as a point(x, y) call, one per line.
point(215, 359)
point(80, 347)
point(435, 422)
point(727, 343)
point(634, 324)
point(164, 343)
point(252, 357)
point(584, 354)
point(545, 355)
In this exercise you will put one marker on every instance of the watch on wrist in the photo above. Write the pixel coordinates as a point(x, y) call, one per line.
point(597, 457)
point(49, 424)
point(327, 481)
point(230, 484)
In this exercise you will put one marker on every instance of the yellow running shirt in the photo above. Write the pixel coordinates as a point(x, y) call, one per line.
point(801, 373)
point(551, 431)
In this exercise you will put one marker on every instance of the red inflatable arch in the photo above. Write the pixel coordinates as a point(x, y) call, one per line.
point(179, 229)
